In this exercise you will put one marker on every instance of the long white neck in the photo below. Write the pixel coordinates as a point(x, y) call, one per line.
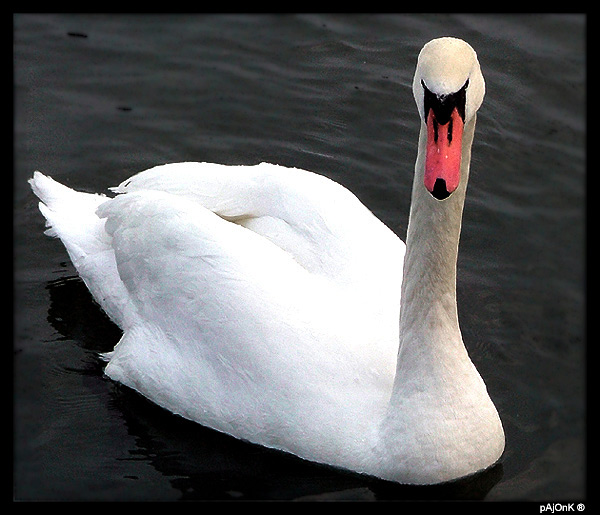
point(440, 422)
point(428, 306)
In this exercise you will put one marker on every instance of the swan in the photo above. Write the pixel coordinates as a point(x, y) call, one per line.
point(270, 304)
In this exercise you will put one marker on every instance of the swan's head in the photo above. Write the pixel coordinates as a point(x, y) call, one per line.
point(448, 89)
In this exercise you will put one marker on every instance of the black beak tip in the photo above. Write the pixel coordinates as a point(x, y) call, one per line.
point(440, 192)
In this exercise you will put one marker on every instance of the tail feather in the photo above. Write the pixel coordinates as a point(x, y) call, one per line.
point(48, 190)
point(71, 216)
point(47, 212)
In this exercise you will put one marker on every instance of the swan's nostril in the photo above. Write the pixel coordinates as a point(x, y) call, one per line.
point(440, 191)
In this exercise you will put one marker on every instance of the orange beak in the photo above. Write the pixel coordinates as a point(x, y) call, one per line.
point(444, 150)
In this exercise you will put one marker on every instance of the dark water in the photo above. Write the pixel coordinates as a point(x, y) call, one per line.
point(98, 98)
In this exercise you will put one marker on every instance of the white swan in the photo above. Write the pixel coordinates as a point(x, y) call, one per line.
point(264, 301)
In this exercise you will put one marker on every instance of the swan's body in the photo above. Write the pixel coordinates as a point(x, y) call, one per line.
point(264, 301)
